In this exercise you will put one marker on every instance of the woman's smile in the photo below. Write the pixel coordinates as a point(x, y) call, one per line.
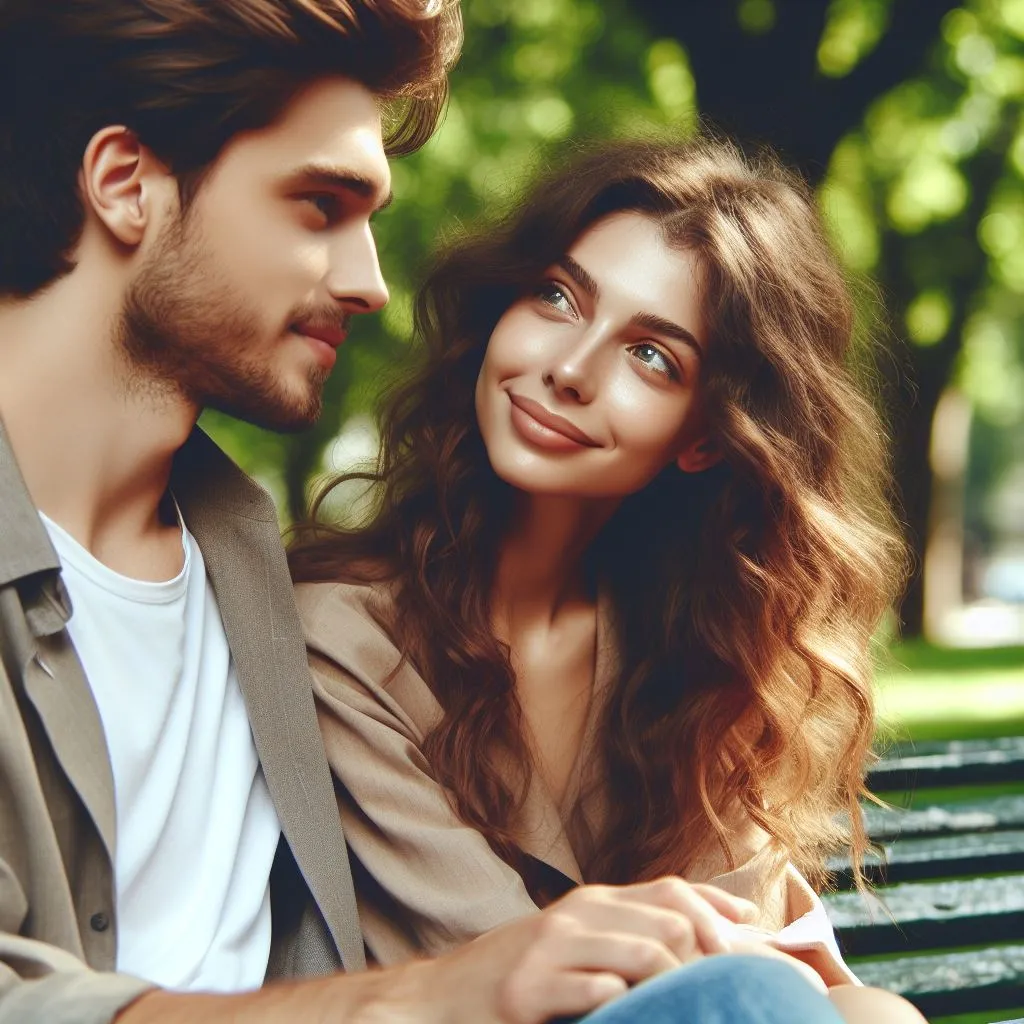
point(539, 426)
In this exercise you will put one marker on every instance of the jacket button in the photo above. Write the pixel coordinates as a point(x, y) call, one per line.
point(99, 922)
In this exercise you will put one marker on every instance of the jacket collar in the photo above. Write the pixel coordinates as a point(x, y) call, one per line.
point(25, 548)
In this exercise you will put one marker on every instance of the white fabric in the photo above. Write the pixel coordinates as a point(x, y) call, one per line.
point(809, 937)
point(813, 939)
point(196, 829)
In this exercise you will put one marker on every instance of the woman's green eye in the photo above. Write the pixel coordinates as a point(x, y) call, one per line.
point(553, 295)
point(652, 357)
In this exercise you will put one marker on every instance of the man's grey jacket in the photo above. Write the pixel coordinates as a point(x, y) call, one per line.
point(58, 922)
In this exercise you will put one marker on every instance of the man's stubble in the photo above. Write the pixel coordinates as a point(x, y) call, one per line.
point(185, 331)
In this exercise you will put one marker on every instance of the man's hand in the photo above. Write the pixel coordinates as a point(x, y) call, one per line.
point(576, 955)
point(583, 951)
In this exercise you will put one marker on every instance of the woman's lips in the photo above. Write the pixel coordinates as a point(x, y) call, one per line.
point(546, 429)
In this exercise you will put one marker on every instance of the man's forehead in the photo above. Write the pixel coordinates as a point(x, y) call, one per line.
point(333, 128)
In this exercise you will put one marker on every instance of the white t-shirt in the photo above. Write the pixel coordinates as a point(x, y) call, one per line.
point(196, 828)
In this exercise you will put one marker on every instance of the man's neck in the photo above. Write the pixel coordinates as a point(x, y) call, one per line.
point(94, 446)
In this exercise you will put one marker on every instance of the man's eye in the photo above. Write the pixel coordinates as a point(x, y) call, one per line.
point(329, 205)
point(554, 295)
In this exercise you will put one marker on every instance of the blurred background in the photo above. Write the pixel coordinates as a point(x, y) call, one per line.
point(908, 118)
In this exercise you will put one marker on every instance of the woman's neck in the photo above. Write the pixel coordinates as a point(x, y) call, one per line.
point(541, 560)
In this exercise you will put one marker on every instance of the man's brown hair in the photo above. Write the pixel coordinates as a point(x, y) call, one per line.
point(185, 76)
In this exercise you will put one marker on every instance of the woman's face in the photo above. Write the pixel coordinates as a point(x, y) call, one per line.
point(591, 384)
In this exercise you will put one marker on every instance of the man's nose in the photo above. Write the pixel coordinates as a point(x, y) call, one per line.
point(354, 279)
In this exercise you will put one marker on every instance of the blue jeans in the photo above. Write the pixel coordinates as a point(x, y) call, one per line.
point(721, 990)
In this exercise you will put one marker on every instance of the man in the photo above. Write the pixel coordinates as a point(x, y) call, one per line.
point(185, 199)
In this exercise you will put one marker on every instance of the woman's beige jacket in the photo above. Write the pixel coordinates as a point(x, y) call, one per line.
point(426, 882)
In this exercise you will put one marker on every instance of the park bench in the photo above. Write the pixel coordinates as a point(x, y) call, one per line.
point(950, 875)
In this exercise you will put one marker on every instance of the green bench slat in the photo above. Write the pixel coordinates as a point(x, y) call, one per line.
point(1000, 812)
point(957, 763)
point(909, 860)
point(929, 915)
point(984, 979)
point(924, 908)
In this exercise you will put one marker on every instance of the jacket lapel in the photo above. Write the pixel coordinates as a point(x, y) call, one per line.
point(235, 525)
point(55, 683)
point(35, 639)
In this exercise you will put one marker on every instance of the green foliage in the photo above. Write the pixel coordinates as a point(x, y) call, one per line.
point(928, 195)
point(853, 29)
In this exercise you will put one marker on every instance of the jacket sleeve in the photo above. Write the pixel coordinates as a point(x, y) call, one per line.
point(39, 982)
point(426, 882)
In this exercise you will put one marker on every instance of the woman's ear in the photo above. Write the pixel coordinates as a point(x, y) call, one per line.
point(115, 185)
point(700, 454)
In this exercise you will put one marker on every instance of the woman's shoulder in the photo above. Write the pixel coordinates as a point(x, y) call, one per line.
point(337, 615)
point(354, 657)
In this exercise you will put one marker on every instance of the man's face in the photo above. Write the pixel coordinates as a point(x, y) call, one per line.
point(242, 302)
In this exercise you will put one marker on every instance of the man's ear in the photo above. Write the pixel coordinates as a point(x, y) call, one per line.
point(700, 454)
point(115, 182)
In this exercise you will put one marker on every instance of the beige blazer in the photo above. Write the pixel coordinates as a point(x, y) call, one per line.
point(425, 881)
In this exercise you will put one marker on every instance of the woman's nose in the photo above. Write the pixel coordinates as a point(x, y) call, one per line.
point(573, 372)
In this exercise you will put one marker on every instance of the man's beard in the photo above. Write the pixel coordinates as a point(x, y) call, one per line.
point(183, 330)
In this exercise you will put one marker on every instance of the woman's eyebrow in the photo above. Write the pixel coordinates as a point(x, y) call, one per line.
point(658, 324)
point(649, 321)
point(580, 276)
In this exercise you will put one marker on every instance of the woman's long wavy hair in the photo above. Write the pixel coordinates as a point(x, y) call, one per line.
point(744, 597)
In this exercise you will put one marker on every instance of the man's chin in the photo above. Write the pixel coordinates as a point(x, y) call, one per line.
point(278, 416)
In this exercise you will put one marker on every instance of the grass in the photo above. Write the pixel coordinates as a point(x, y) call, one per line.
point(926, 692)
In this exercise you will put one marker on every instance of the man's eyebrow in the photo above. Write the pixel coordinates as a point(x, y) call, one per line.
point(658, 324)
point(323, 176)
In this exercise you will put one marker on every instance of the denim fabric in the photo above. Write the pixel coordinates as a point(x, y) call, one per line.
point(722, 990)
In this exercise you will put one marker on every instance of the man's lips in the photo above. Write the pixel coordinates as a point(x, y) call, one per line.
point(333, 336)
point(553, 421)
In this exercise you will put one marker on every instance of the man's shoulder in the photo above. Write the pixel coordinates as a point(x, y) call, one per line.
point(204, 475)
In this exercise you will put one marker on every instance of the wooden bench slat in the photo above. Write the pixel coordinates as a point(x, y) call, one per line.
point(984, 979)
point(907, 860)
point(1000, 812)
point(928, 915)
point(958, 763)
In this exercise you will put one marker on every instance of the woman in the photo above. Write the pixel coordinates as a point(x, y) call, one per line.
point(610, 616)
